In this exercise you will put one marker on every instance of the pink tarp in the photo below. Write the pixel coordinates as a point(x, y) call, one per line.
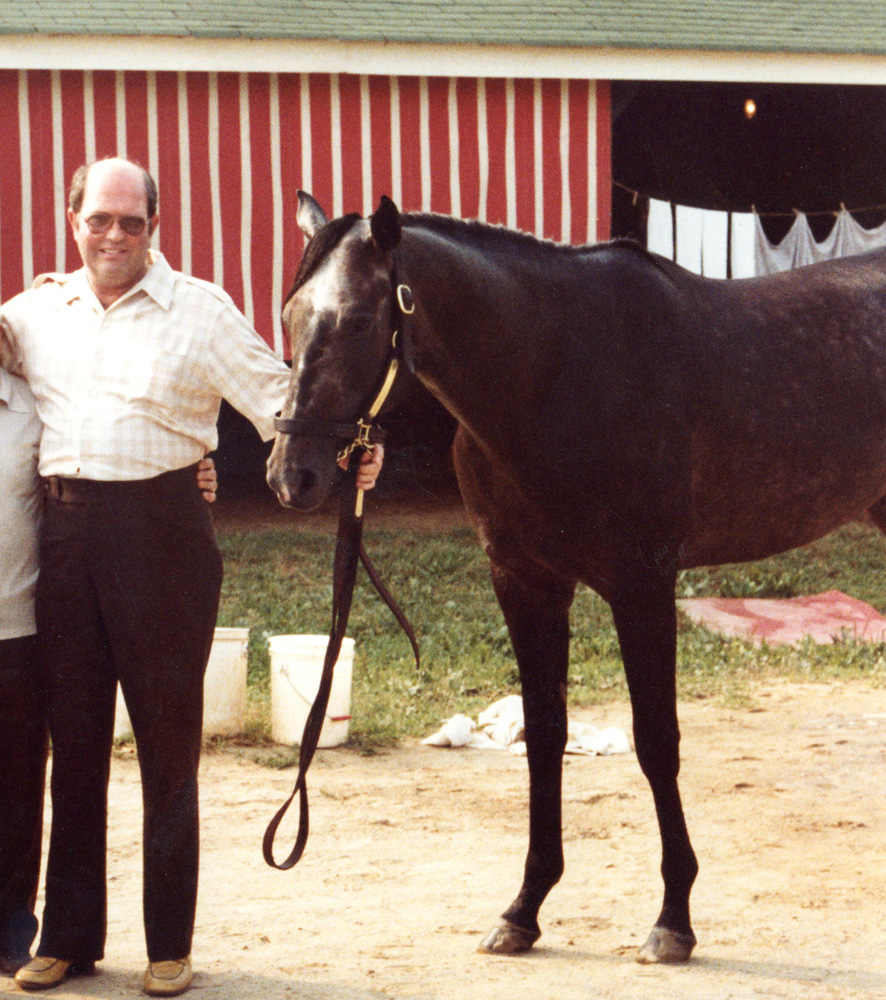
point(821, 617)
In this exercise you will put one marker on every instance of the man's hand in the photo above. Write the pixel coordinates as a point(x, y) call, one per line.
point(370, 467)
point(207, 479)
point(8, 357)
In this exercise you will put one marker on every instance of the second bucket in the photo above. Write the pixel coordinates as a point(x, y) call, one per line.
point(296, 666)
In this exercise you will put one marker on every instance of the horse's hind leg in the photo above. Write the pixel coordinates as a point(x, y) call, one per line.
point(538, 621)
point(645, 619)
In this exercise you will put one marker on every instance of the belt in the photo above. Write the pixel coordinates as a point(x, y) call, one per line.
point(69, 490)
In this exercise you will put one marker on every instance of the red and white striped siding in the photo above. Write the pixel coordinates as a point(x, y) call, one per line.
point(229, 151)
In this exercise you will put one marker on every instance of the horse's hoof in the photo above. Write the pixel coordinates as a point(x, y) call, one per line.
point(508, 939)
point(663, 945)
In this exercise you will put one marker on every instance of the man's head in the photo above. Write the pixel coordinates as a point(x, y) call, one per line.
point(113, 212)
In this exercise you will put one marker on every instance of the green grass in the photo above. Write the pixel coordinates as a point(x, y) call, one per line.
point(278, 582)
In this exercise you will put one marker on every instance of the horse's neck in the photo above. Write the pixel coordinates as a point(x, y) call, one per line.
point(465, 286)
point(473, 351)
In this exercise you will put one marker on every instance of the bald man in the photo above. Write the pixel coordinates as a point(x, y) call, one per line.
point(128, 361)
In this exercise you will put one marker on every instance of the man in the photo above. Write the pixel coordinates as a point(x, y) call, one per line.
point(23, 731)
point(128, 361)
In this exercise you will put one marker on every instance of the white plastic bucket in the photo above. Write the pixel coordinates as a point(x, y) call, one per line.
point(224, 687)
point(224, 684)
point(296, 666)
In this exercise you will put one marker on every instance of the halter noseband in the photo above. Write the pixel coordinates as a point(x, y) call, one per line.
point(360, 432)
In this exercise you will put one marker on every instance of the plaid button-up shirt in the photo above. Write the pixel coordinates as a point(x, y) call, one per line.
point(134, 390)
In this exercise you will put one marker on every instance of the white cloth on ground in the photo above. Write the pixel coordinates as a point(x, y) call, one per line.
point(500, 726)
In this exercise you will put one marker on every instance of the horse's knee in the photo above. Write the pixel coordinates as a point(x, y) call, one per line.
point(658, 752)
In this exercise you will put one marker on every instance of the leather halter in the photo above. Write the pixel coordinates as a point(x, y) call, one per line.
point(360, 432)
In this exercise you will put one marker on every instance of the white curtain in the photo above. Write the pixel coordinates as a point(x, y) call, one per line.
point(743, 247)
point(690, 229)
point(714, 244)
point(719, 243)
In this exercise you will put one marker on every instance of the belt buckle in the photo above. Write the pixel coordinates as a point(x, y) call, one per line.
point(54, 487)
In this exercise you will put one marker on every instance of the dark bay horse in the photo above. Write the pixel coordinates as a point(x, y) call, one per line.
point(619, 419)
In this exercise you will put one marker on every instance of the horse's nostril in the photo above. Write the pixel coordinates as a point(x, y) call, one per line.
point(305, 481)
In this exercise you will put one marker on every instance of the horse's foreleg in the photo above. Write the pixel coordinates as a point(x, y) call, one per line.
point(645, 618)
point(538, 622)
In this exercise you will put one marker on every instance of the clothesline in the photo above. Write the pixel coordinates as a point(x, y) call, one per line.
point(776, 215)
point(734, 245)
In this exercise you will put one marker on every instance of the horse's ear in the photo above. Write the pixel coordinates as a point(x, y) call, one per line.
point(310, 217)
point(385, 224)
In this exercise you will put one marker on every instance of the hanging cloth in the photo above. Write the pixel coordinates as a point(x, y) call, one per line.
point(715, 244)
point(660, 229)
point(741, 244)
point(799, 247)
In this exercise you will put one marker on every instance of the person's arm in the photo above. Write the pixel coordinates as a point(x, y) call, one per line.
point(9, 358)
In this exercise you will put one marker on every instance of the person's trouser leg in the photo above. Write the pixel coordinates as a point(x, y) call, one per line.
point(153, 576)
point(79, 682)
point(23, 751)
point(174, 580)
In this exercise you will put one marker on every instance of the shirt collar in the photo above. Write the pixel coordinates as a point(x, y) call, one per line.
point(157, 283)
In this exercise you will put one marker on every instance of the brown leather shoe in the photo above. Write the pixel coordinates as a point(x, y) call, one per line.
point(168, 979)
point(43, 972)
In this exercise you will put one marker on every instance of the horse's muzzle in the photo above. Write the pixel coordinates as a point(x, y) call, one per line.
point(300, 482)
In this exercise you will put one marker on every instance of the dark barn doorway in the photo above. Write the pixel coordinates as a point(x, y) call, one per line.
point(804, 147)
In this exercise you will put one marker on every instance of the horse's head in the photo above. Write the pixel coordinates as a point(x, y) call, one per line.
point(340, 314)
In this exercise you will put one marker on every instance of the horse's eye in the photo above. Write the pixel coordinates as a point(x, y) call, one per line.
point(361, 322)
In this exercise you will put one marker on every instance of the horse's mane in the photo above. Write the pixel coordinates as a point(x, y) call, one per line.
point(468, 231)
point(474, 231)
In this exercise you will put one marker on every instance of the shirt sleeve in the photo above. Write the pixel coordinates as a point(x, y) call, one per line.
point(10, 354)
point(246, 372)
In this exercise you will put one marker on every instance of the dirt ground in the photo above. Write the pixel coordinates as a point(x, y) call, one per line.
point(414, 853)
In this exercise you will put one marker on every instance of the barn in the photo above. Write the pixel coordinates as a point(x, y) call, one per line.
point(495, 109)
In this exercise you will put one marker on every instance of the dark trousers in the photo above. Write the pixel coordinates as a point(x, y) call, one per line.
point(23, 747)
point(128, 589)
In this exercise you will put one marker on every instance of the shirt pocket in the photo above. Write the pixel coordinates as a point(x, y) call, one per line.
point(178, 384)
point(149, 376)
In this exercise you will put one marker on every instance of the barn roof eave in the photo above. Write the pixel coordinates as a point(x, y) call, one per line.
point(175, 52)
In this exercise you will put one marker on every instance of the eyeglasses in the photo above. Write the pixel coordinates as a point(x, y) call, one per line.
point(101, 222)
